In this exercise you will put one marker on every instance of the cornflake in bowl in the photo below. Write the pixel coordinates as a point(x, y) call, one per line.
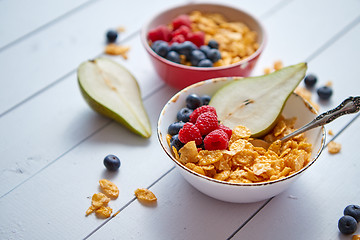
point(244, 172)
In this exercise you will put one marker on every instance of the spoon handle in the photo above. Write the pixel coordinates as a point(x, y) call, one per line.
point(349, 105)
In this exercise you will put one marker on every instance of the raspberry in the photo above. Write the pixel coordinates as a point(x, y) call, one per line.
point(181, 21)
point(178, 39)
point(207, 122)
point(227, 130)
point(216, 140)
point(196, 113)
point(161, 32)
point(198, 38)
point(183, 30)
point(190, 132)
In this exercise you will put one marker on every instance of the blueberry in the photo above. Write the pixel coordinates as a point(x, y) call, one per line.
point(213, 44)
point(111, 36)
point(186, 48)
point(162, 49)
point(324, 92)
point(173, 56)
point(174, 141)
point(205, 99)
point(184, 114)
point(174, 47)
point(205, 63)
point(347, 224)
point(214, 55)
point(175, 127)
point(193, 101)
point(112, 162)
point(156, 44)
point(354, 211)
point(310, 80)
point(205, 49)
point(196, 56)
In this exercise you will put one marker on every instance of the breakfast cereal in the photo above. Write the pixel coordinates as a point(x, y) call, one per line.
point(98, 200)
point(236, 40)
point(145, 195)
point(243, 162)
point(334, 147)
point(109, 188)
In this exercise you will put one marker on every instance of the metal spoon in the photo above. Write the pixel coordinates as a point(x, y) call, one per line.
point(348, 106)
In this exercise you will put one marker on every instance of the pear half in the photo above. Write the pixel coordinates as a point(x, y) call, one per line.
point(112, 91)
point(257, 102)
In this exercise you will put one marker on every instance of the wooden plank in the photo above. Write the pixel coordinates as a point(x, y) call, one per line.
point(50, 55)
point(56, 121)
point(298, 29)
point(15, 14)
point(181, 212)
point(311, 208)
point(54, 201)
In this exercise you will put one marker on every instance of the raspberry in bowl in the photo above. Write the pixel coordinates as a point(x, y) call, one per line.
point(184, 51)
point(202, 148)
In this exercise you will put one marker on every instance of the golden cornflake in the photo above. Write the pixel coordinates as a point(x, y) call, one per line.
point(98, 200)
point(356, 237)
point(109, 188)
point(103, 212)
point(331, 133)
point(334, 147)
point(244, 162)
point(236, 40)
point(145, 195)
point(114, 49)
point(188, 152)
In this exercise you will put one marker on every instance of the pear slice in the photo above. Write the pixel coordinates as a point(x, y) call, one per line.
point(112, 91)
point(257, 102)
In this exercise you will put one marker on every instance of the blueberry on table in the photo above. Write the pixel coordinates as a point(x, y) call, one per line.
point(111, 36)
point(354, 211)
point(175, 127)
point(175, 142)
point(213, 44)
point(324, 92)
point(112, 162)
point(310, 80)
point(347, 224)
point(193, 101)
point(205, 99)
point(196, 56)
point(173, 56)
point(205, 63)
point(184, 114)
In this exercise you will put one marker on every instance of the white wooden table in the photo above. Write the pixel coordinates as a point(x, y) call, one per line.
point(52, 144)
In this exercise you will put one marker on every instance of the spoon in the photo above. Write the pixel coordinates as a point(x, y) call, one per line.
point(348, 106)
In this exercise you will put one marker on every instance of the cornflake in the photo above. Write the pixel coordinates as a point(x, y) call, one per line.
point(109, 188)
point(236, 40)
point(334, 147)
point(145, 195)
point(244, 162)
point(98, 200)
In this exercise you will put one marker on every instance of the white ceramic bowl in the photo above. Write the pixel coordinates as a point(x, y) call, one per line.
point(239, 192)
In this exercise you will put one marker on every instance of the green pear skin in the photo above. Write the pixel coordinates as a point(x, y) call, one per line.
point(112, 91)
point(257, 102)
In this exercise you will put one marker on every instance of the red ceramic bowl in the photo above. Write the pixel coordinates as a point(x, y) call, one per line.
point(180, 76)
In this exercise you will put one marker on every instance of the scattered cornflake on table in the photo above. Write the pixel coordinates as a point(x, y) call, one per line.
point(334, 147)
point(98, 200)
point(145, 195)
point(278, 65)
point(114, 49)
point(331, 133)
point(120, 29)
point(109, 188)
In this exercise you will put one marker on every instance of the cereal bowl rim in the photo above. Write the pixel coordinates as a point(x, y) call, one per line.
point(263, 42)
point(176, 96)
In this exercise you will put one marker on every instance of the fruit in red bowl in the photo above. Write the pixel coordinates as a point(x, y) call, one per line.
point(209, 56)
